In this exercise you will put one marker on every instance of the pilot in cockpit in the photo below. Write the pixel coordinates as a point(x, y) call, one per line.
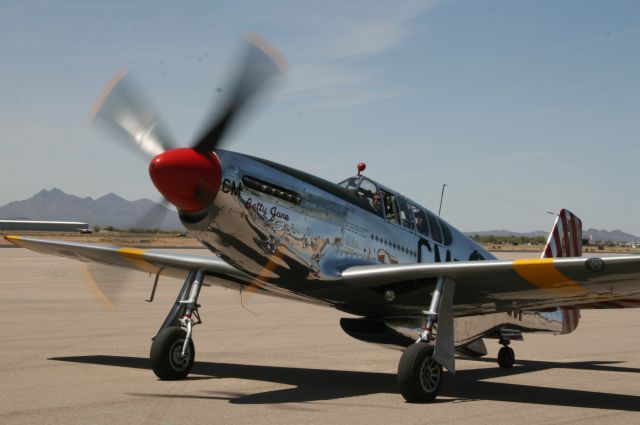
point(389, 212)
point(376, 203)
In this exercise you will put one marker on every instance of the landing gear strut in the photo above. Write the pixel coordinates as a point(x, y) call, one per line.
point(506, 356)
point(172, 351)
point(420, 368)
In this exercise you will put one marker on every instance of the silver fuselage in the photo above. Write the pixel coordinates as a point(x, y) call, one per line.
point(294, 233)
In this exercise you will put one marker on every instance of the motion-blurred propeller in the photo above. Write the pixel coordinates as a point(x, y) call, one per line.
point(260, 65)
point(187, 177)
point(123, 110)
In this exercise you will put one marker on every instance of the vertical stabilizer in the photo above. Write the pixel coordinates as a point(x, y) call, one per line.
point(565, 239)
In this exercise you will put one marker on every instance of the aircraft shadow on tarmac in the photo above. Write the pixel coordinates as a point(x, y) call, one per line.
point(320, 384)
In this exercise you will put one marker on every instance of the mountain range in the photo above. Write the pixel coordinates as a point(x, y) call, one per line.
point(107, 210)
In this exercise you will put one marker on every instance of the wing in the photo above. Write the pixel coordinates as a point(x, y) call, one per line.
point(168, 264)
point(493, 286)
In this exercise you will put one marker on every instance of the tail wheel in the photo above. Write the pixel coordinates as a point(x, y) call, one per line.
point(167, 360)
point(419, 375)
point(506, 357)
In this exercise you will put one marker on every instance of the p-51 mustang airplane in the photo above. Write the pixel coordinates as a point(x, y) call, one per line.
point(416, 282)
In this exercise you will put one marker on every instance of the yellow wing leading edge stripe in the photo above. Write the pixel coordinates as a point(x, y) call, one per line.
point(135, 253)
point(543, 274)
point(136, 256)
point(13, 239)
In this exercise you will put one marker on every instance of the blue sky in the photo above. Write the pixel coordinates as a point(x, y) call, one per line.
point(535, 102)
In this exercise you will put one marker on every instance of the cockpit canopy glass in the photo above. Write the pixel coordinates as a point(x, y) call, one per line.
point(434, 225)
point(397, 210)
point(367, 190)
point(351, 183)
point(422, 224)
point(404, 213)
point(447, 236)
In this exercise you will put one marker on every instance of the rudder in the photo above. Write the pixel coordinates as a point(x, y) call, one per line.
point(565, 239)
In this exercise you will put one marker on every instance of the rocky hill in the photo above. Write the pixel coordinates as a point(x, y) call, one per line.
point(107, 210)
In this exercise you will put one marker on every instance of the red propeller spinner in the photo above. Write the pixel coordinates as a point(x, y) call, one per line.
point(188, 179)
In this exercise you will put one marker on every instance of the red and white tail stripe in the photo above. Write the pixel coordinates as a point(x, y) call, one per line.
point(565, 240)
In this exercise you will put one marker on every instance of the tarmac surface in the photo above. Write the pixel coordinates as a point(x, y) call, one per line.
point(66, 359)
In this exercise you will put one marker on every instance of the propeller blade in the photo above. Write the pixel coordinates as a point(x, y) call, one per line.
point(109, 284)
point(261, 64)
point(122, 110)
point(154, 218)
point(106, 283)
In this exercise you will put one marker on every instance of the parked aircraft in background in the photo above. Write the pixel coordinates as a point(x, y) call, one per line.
point(415, 281)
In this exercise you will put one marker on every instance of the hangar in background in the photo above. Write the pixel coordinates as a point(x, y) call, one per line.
point(44, 226)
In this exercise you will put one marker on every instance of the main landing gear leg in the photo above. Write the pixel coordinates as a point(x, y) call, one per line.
point(172, 351)
point(506, 356)
point(420, 368)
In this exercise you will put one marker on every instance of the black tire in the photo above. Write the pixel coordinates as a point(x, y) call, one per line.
point(419, 375)
point(166, 354)
point(506, 357)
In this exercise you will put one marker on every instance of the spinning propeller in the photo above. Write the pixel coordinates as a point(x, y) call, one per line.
point(189, 178)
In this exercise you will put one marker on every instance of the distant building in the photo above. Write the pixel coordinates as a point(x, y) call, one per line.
point(44, 226)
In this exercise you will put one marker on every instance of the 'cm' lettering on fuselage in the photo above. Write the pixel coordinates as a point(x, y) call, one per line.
point(230, 187)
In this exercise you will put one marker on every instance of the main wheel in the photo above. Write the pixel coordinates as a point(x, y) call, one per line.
point(167, 361)
point(419, 375)
point(506, 357)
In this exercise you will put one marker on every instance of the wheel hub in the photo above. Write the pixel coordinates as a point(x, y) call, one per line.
point(178, 361)
point(429, 375)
